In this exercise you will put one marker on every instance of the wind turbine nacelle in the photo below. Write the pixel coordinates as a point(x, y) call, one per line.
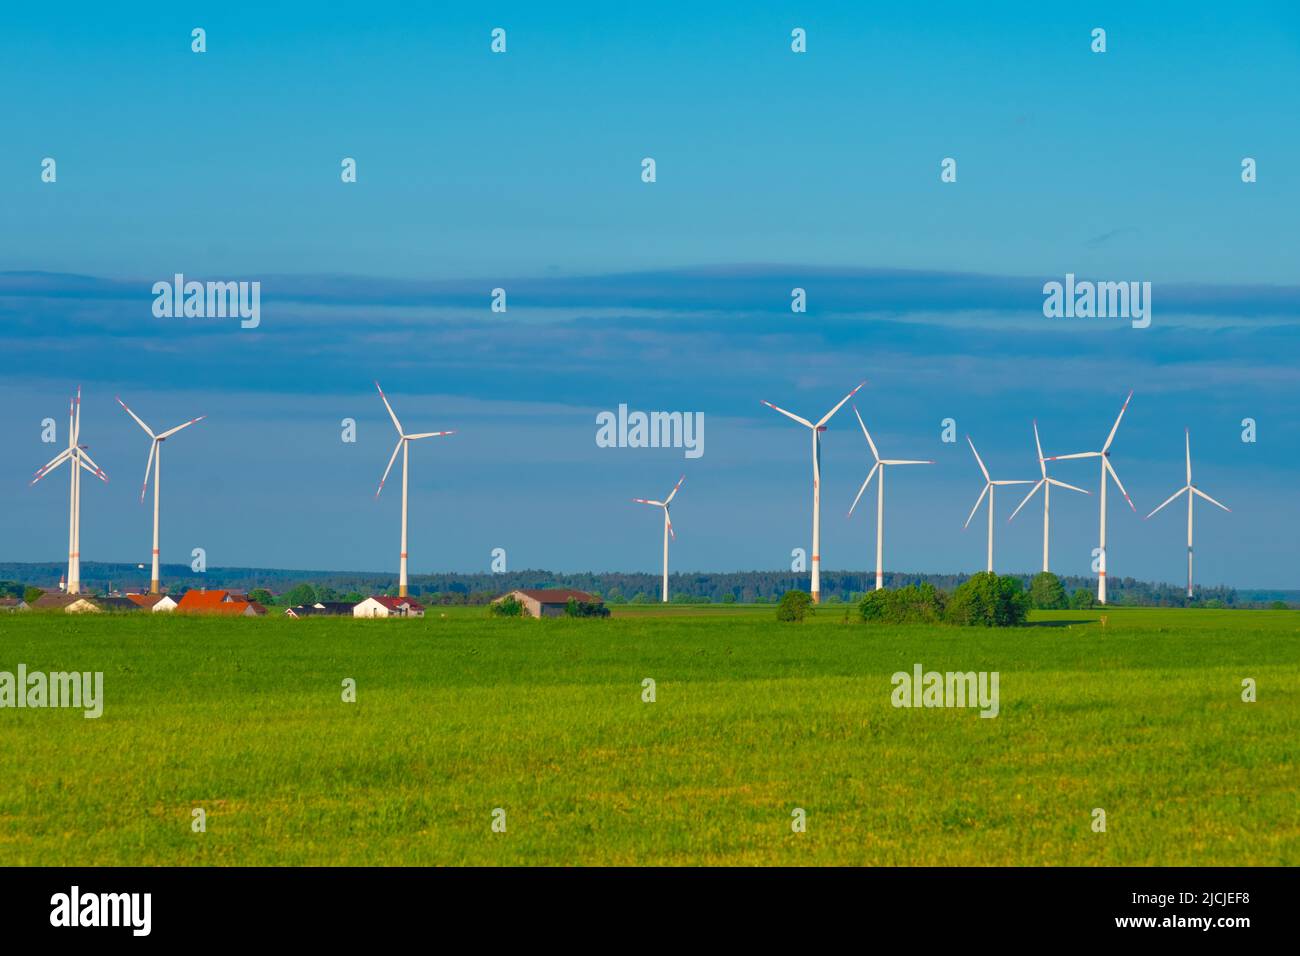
point(821, 428)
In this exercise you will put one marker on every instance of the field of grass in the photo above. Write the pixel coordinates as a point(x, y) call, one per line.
point(457, 715)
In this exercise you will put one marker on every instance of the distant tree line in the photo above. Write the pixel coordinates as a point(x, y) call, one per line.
point(286, 587)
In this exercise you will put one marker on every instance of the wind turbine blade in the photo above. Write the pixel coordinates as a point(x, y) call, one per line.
point(1114, 428)
point(829, 415)
point(172, 431)
point(1187, 436)
point(1077, 454)
point(391, 413)
point(76, 429)
point(1062, 484)
point(81, 453)
point(1008, 481)
point(977, 505)
point(137, 418)
point(1111, 468)
point(671, 494)
point(429, 435)
point(1172, 497)
point(1032, 491)
point(647, 501)
point(801, 421)
point(875, 454)
point(50, 465)
point(903, 461)
point(870, 475)
point(979, 459)
point(148, 467)
point(1198, 491)
point(91, 467)
point(671, 533)
point(1042, 465)
point(396, 449)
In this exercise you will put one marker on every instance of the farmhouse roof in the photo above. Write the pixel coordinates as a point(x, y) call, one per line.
point(145, 600)
point(394, 603)
point(555, 595)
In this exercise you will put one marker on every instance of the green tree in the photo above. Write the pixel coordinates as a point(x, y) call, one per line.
point(302, 594)
point(640, 598)
point(1279, 606)
point(1047, 592)
point(729, 598)
point(508, 606)
point(32, 594)
point(794, 605)
point(1082, 599)
point(987, 600)
point(261, 596)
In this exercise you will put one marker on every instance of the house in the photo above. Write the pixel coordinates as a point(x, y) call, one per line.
point(58, 601)
point(388, 607)
point(153, 602)
point(548, 602)
point(13, 604)
point(116, 604)
point(218, 602)
point(321, 609)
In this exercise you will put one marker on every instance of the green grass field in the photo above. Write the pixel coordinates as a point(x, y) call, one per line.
point(457, 715)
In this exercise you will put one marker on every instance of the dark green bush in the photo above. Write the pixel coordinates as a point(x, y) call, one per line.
point(1082, 599)
point(986, 600)
point(576, 608)
point(509, 606)
point(914, 604)
point(794, 605)
point(1047, 592)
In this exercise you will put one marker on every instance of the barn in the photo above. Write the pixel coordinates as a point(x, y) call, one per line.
point(548, 602)
point(153, 602)
point(388, 607)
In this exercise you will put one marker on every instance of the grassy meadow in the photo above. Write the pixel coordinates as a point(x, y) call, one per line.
point(457, 715)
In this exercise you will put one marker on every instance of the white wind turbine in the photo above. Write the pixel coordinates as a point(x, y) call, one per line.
point(817, 483)
point(1191, 491)
point(403, 442)
point(879, 466)
point(668, 526)
point(1046, 484)
point(154, 464)
point(76, 455)
point(1106, 467)
point(989, 485)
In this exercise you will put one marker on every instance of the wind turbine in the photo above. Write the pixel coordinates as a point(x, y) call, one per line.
point(668, 526)
point(1106, 467)
point(154, 464)
point(817, 483)
point(1046, 484)
point(75, 455)
point(1191, 491)
point(879, 466)
point(403, 443)
point(989, 485)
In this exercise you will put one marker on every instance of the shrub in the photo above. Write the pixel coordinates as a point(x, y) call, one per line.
point(1082, 599)
point(987, 600)
point(1279, 606)
point(1047, 592)
point(575, 608)
point(508, 606)
point(730, 598)
point(794, 605)
point(31, 595)
point(914, 604)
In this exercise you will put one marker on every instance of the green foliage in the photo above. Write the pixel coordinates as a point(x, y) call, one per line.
point(987, 600)
point(302, 594)
point(508, 606)
point(263, 596)
point(1279, 606)
point(1082, 599)
point(640, 598)
point(1047, 592)
point(794, 605)
point(575, 608)
point(31, 594)
point(681, 597)
point(730, 598)
point(914, 604)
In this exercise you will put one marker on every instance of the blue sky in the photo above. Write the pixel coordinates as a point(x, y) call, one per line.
point(774, 170)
